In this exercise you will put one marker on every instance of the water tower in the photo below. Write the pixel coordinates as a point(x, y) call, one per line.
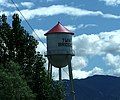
point(59, 51)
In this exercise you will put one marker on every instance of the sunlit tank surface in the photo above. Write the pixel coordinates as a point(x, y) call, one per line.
point(59, 46)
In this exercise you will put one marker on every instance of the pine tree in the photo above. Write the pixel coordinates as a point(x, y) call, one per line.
point(12, 86)
point(17, 45)
point(4, 34)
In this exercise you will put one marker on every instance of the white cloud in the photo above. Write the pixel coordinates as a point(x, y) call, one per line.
point(96, 71)
point(113, 36)
point(102, 44)
point(86, 45)
point(27, 4)
point(4, 12)
point(110, 41)
point(78, 74)
point(62, 9)
point(6, 3)
point(84, 74)
point(83, 26)
point(97, 44)
point(10, 5)
point(2, 1)
point(71, 27)
point(113, 61)
point(111, 2)
point(41, 48)
point(79, 62)
point(40, 34)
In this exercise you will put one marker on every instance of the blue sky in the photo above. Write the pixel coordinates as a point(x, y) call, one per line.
point(96, 24)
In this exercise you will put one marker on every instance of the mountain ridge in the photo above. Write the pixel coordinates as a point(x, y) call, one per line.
point(97, 87)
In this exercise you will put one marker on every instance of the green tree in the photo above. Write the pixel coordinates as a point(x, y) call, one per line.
point(17, 45)
point(58, 91)
point(4, 34)
point(12, 86)
point(25, 47)
point(40, 82)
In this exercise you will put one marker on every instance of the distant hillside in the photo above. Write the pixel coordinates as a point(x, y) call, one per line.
point(98, 87)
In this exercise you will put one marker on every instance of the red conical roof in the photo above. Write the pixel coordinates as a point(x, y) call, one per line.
point(59, 28)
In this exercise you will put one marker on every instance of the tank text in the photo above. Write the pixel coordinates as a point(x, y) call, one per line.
point(65, 42)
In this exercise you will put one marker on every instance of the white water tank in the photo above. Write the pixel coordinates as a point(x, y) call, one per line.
point(59, 46)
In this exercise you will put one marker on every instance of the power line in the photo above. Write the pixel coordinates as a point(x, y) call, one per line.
point(65, 72)
point(27, 22)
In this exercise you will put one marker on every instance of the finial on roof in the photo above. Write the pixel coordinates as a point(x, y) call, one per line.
point(58, 22)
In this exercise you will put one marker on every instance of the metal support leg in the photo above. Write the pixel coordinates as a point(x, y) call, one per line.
point(71, 80)
point(49, 70)
point(60, 74)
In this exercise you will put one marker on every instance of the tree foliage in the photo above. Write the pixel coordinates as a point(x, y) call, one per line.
point(18, 46)
point(12, 86)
